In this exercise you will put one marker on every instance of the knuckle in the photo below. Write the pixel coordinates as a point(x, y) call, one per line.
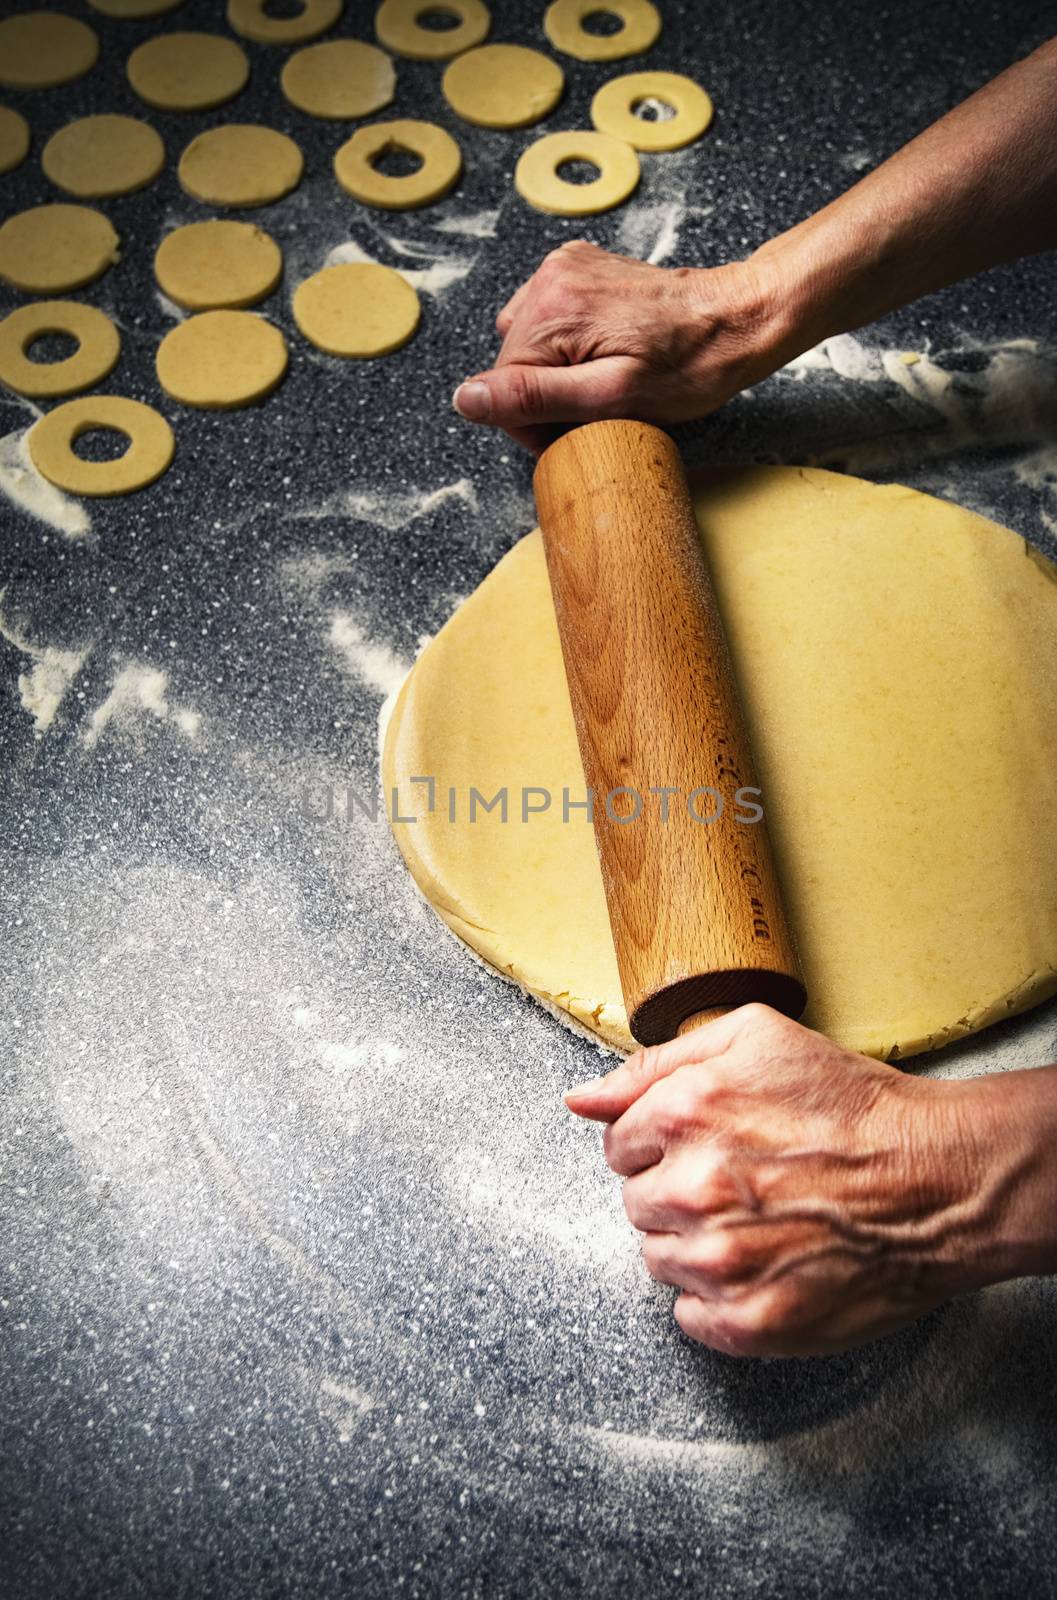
point(656, 1258)
point(721, 1256)
point(526, 393)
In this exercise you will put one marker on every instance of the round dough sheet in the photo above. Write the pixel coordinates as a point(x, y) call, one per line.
point(97, 157)
point(342, 78)
point(897, 660)
point(503, 86)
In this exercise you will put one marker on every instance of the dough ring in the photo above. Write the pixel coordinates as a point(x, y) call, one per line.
point(221, 360)
point(503, 86)
point(563, 23)
point(41, 49)
point(188, 71)
point(53, 249)
point(357, 309)
point(206, 265)
point(97, 338)
point(150, 449)
point(14, 139)
point(438, 174)
point(134, 8)
point(398, 28)
point(240, 165)
point(339, 79)
point(96, 157)
point(536, 175)
point(250, 18)
point(613, 110)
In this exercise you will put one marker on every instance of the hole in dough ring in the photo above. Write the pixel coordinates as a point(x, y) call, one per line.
point(52, 249)
point(221, 360)
point(357, 309)
point(563, 23)
point(41, 49)
point(537, 181)
point(150, 451)
point(96, 157)
point(239, 165)
point(438, 174)
point(339, 79)
point(188, 71)
point(249, 18)
point(98, 339)
point(613, 110)
point(14, 139)
point(503, 86)
point(204, 266)
point(398, 28)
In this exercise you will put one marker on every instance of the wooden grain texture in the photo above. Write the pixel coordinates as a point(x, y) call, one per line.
point(694, 906)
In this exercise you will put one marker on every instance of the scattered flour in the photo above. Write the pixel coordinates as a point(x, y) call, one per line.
point(392, 509)
point(441, 274)
point(26, 488)
point(53, 669)
point(138, 688)
point(374, 664)
point(481, 225)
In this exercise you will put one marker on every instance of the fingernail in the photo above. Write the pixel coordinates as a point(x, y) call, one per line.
point(585, 1088)
point(473, 401)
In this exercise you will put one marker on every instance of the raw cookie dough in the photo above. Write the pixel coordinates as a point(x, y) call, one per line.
point(149, 453)
point(342, 78)
point(205, 265)
point(503, 86)
point(97, 338)
point(188, 71)
point(221, 359)
point(563, 23)
point(536, 175)
point(96, 157)
point(14, 139)
point(52, 249)
point(398, 27)
point(40, 49)
point(357, 309)
point(134, 8)
point(241, 165)
point(438, 174)
point(613, 110)
point(250, 18)
point(897, 660)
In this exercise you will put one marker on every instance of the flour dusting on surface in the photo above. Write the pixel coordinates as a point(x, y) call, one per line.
point(27, 489)
point(140, 688)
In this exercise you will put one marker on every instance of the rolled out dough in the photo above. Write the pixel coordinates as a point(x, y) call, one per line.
point(339, 79)
point(503, 86)
point(97, 157)
point(41, 49)
point(897, 660)
point(207, 265)
point(188, 71)
point(241, 165)
point(220, 360)
point(53, 249)
point(14, 139)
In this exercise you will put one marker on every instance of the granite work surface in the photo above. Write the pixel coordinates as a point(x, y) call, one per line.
point(308, 1285)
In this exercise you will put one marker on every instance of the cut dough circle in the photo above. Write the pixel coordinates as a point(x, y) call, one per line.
point(41, 49)
point(98, 341)
point(537, 181)
point(125, 9)
point(221, 360)
point(503, 86)
point(357, 309)
point(241, 165)
point(149, 453)
point(438, 174)
point(96, 157)
point(250, 18)
point(14, 139)
point(188, 71)
point(339, 79)
point(897, 662)
point(207, 265)
point(398, 27)
point(613, 110)
point(52, 249)
point(563, 23)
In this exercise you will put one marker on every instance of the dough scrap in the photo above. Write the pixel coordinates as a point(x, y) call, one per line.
point(41, 49)
point(563, 23)
point(613, 110)
point(503, 86)
point(241, 165)
point(97, 338)
point(125, 9)
point(188, 71)
point(53, 249)
point(398, 28)
point(357, 309)
point(249, 18)
point(437, 176)
point(340, 79)
point(14, 139)
point(96, 157)
point(221, 360)
point(537, 181)
point(149, 453)
point(207, 265)
point(897, 660)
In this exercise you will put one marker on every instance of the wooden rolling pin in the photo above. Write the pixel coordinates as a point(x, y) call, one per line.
point(694, 904)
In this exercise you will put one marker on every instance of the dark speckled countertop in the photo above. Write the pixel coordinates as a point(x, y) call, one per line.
point(308, 1286)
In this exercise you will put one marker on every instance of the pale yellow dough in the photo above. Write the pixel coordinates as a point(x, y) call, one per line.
point(188, 71)
point(503, 86)
point(53, 249)
point(221, 360)
point(438, 174)
point(14, 139)
point(357, 309)
point(339, 79)
point(125, 9)
point(250, 18)
point(563, 23)
point(613, 110)
point(206, 265)
point(398, 27)
point(96, 157)
point(41, 49)
point(537, 181)
point(241, 165)
point(149, 453)
point(897, 660)
point(98, 348)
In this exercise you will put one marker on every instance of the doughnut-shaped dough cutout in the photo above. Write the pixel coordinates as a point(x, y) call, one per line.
point(207, 265)
point(150, 448)
point(249, 18)
point(398, 27)
point(241, 165)
point(53, 249)
point(41, 49)
point(339, 79)
point(124, 9)
point(221, 360)
point(357, 309)
point(438, 174)
point(503, 86)
point(99, 346)
point(96, 157)
point(537, 181)
point(563, 23)
point(188, 71)
point(14, 139)
point(613, 110)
